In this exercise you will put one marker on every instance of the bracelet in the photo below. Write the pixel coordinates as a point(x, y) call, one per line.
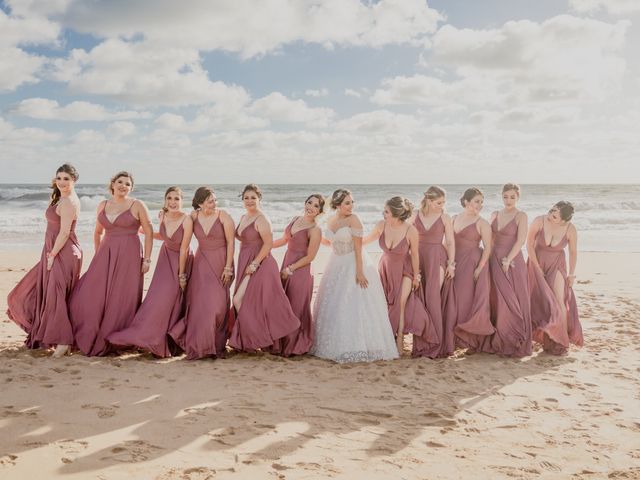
point(288, 270)
point(451, 263)
point(51, 255)
point(254, 266)
point(146, 261)
point(228, 269)
point(417, 276)
point(182, 276)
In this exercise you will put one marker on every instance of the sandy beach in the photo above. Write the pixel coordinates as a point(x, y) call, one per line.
point(260, 416)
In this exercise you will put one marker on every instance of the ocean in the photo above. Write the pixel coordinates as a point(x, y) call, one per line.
point(607, 216)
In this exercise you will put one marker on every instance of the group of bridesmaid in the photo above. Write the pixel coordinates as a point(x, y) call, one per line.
point(458, 282)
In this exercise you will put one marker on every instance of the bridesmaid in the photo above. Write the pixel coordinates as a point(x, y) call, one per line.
point(554, 312)
point(510, 303)
point(302, 237)
point(202, 332)
point(399, 269)
point(38, 303)
point(107, 296)
point(472, 282)
point(163, 304)
point(436, 253)
point(263, 311)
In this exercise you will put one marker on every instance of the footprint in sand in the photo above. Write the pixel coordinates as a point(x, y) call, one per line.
point(550, 466)
point(131, 451)
point(103, 411)
point(8, 460)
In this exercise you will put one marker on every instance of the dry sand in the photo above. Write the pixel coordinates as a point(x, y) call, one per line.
point(259, 416)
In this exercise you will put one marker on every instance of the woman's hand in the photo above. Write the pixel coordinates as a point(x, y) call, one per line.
point(450, 272)
point(476, 273)
point(570, 279)
point(251, 268)
point(50, 259)
point(182, 281)
point(146, 264)
point(505, 264)
point(227, 276)
point(415, 282)
point(362, 280)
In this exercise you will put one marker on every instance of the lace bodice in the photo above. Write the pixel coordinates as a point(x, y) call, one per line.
point(342, 239)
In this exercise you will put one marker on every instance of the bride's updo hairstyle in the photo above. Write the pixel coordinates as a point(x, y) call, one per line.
point(400, 207)
point(338, 197)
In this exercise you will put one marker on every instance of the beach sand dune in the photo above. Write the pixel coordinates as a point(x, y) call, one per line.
point(261, 416)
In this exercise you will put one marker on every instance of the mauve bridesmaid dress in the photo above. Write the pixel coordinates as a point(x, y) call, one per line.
point(437, 299)
point(203, 331)
point(38, 303)
point(107, 296)
point(473, 325)
point(510, 302)
point(162, 306)
point(394, 265)
point(299, 290)
point(549, 329)
point(265, 314)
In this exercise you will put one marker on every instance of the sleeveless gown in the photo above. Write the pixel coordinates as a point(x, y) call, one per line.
point(437, 299)
point(473, 324)
point(394, 265)
point(38, 303)
point(509, 298)
point(299, 290)
point(203, 330)
point(548, 327)
point(265, 315)
point(351, 323)
point(163, 304)
point(107, 296)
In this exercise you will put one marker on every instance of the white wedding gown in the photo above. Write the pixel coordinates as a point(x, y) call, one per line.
point(351, 323)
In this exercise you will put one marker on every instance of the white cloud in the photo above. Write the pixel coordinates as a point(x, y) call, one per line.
point(323, 92)
point(25, 137)
point(17, 67)
point(352, 93)
point(615, 7)
point(278, 108)
point(380, 121)
point(78, 111)
point(256, 28)
point(121, 129)
point(142, 74)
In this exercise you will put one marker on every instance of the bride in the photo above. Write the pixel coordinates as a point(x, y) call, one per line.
point(350, 311)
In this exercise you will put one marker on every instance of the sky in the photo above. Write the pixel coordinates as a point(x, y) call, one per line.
point(321, 91)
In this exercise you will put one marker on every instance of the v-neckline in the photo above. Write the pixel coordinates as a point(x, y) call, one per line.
point(506, 224)
point(462, 229)
point(104, 210)
point(301, 230)
point(432, 223)
point(207, 232)
point(544, 236)
point(247, 225)
point(164, 223)
point(384, 232)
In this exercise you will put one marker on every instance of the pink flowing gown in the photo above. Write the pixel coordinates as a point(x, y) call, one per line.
point(549, 328)
point(473, 325)
point(162, 306)
point(38, 303)
point(265, 314)
point(393, 267)
point(299, 290)
point(510, 301)
point(107, 296)
point(203, 331)
point(437, 299)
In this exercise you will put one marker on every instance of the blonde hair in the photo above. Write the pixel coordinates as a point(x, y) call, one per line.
point(432, 193)
point(511, 186)
point(400, 207)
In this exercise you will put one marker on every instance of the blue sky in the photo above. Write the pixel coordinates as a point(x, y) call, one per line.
point(328, 91)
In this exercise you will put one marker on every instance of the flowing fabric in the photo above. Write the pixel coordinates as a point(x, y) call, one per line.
point(549, 327)
point(351, 323)
point(510, 300)
point(162, 306)
point(299, 290)
point(473, 324)
point(202, 331)
point(107, 296)
point(437, 299)
point(38, 303)
point(265, 315)
point(393, 267)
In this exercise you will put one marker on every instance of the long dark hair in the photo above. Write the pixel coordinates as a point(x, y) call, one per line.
point(66, 168)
